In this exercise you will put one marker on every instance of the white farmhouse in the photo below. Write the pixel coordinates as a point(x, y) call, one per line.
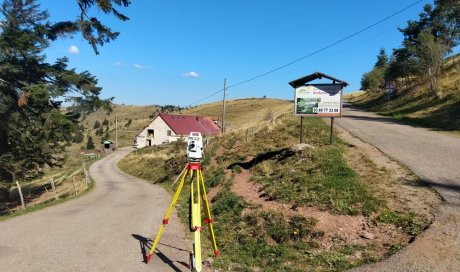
point(168, 128)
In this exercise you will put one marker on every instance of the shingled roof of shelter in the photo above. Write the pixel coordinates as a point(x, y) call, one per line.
point(317, 75)
point(184, 124)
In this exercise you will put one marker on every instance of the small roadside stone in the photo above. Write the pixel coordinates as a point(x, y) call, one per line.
point(208, 262)
point(300, 147)
point(367, 235)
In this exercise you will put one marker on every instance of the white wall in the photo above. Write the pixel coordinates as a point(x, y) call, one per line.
point(160, 129)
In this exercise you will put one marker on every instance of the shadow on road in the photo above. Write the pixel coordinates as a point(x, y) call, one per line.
point(448, 184)
point(372, 118)
point(146, 244)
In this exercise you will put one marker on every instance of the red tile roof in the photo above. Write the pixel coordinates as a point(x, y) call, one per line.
point(184, 124)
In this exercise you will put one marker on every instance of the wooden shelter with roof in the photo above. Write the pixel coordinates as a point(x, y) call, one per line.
point(316, 75)
point(317, 100)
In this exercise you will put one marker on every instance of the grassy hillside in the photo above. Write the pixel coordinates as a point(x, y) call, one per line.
point(140, 117)
point(278, 208)
point(243, 113)
point(240, 114)
point(415, 103)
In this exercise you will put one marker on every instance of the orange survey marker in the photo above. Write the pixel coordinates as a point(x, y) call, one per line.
point(197, 194)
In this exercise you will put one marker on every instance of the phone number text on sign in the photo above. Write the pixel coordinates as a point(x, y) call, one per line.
point(324, 110)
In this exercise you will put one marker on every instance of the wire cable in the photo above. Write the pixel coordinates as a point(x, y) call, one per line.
point(311, 54)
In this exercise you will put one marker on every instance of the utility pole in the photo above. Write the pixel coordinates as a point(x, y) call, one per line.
point(223, 105)
point(116, 132)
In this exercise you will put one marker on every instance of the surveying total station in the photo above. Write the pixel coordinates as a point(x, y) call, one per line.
point(197, 196)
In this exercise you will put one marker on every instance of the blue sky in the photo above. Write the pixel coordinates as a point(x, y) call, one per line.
point(178, 52)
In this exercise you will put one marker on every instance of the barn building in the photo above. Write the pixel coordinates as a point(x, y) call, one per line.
point(167, 128)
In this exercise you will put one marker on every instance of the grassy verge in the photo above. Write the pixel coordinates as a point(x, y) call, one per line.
point(38, 193)
point(253, 239)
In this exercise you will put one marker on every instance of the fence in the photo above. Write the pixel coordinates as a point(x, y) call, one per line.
point(55, 187)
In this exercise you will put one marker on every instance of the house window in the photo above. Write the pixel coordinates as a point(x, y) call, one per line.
point(168, 132)
point(150, 133)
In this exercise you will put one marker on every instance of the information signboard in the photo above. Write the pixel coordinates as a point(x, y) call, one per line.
point(318, 100)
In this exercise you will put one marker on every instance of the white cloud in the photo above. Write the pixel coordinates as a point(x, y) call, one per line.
point(140, 66)
point(118, 63)
point(73, 49)
point(191, 74)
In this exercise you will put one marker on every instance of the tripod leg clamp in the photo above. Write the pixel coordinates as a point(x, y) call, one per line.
point(165, 221)
point(197, 229)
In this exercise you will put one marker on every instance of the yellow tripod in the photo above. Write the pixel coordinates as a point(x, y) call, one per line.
point(197, 193)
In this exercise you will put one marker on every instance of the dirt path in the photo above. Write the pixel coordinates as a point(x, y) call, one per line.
point(435, 158)
point(352, 229)
point(106, 230)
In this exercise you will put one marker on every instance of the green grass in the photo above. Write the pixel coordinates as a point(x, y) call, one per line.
point(318, 178)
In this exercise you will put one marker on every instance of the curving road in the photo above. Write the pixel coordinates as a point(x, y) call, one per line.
point(106, 230)
point(435, 158)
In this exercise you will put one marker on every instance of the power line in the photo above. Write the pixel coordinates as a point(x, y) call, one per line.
point(310, 54)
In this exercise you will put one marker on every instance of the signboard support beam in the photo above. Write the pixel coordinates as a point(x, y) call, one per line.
point(301, 129)
point(223, 106)
point(331, 137)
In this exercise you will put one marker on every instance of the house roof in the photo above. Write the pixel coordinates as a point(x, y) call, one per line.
point(184, 124)
point(317, 75)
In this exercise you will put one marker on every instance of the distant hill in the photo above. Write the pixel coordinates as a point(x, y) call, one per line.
point(240, 114)
point(416, 103)
point(140, 117)
point(243, 113)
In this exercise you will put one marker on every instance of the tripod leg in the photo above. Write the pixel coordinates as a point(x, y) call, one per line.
point(208, 218)
point(196, 222)
point(168, 213)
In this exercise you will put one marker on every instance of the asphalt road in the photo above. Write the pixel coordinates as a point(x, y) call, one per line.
point(106, 230)
point(435, 158)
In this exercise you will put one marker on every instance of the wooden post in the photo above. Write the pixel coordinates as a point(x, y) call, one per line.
point(87, 179)
point(116, 132)
point(74, 186)
point(23, 205)
point(301, 129)
point(331, 137)
point(54, 189)
point(272, 119)
point(247, 133)
point(223, 105)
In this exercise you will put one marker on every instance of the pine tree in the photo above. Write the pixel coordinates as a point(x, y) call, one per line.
point(382, 59)
point(97, 124)
point(78, 138)
point(90, 144)
point(99, 131)
point(105, 122)
point(34, 130)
